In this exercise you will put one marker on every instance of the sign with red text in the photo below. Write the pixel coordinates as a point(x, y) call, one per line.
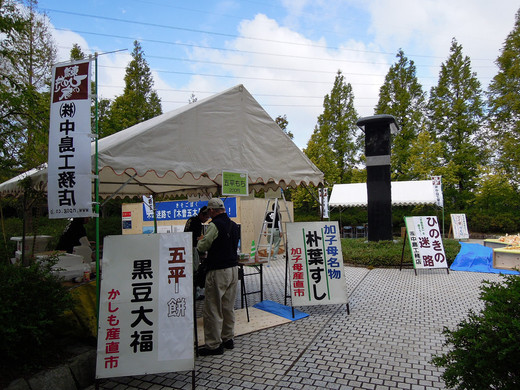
point(146, 322)
point(315, 264)
point(69, 186)
point(424, 236)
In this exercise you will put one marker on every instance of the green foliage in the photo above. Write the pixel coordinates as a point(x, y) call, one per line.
point(456, 112)
point(504, 105)
point(402, 96)
point(138, 102)
point(76, 53)
point(27, 53)
point(358, 251)
point(283, 123)
point(33, 300)
point(495, 204)
point(425, 160)
point(485, 352)
point(335, 145)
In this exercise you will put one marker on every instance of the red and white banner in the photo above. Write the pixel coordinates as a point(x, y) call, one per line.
point(69, 188)
point(146, 319)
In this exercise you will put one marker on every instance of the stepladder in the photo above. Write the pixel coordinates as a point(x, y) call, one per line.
point(272, 240)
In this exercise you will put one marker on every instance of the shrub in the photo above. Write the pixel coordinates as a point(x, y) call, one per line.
point(33, 299)
point(386, 253)
point(486, 351)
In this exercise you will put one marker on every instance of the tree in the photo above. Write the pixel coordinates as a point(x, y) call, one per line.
point(76, 53)
point(425, 160)
point(504, 105)
point(27, 54)
point(456, 114)
point(334, 146)
point(139, 101)
point(402, 96)
point(283, 123)
point(336, 142)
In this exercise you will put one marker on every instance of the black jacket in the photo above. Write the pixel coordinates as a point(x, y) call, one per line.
point(223, 251)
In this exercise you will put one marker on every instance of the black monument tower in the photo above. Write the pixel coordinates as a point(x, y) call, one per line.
point(377, 130)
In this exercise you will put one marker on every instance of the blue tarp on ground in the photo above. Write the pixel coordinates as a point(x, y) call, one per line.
point(476, 258)
point(280, 310)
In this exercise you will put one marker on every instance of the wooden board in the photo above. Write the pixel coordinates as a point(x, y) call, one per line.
point(490, 243)
point(258, 319)
point(506, 259)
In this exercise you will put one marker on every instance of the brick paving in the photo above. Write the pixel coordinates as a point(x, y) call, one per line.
point(386, 342)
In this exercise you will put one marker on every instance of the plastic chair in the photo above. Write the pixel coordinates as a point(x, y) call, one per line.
point(360, 231)
point(347, 231)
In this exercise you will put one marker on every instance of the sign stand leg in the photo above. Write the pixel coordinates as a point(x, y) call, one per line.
point(402, 252)
point(195, 330)
point(243, 288)
point(286, 275)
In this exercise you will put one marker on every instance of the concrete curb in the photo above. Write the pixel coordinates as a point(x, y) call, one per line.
point(77, 374)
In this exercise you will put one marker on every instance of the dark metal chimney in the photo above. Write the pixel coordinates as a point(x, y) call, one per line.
point(377, 130)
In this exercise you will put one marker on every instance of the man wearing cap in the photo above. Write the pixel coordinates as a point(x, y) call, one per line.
point(221, 243)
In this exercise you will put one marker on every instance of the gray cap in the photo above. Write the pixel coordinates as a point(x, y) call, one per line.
point(215, 203)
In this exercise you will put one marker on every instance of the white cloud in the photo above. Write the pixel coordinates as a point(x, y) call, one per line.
point(299, 71)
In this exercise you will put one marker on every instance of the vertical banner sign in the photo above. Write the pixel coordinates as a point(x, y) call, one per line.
point(323, 194)
point(148, 206)
point(146, 322)
point(69, 188)
point(315, 264)
point(459, 226)
point(437, 187)
point(235, 183)
point(425, 240)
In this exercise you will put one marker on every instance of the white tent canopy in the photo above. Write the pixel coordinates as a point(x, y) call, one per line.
point(404, 193)
point(184, 151)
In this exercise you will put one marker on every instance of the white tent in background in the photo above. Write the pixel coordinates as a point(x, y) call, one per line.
point(184, 151)
point(404, 193)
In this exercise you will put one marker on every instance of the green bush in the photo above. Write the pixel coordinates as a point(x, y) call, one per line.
point(486, 347)
point(33, 300)
point(358, 251)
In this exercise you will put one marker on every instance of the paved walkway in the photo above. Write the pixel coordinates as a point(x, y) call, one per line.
point(395, 325)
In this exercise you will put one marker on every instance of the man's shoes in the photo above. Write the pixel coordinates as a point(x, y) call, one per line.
point(229, 344)
point(205, 351)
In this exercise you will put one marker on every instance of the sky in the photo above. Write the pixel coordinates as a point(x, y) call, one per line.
point(285, 52)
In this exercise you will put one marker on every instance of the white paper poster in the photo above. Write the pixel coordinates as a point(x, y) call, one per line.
point(459, 226)
point(69, 186)
point(315, 263)
point(425, 240)
point(146, 322)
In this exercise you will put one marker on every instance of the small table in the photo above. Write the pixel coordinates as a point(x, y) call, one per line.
point(258, 266)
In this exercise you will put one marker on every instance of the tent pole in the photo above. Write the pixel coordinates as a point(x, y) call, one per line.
point(98, 279)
